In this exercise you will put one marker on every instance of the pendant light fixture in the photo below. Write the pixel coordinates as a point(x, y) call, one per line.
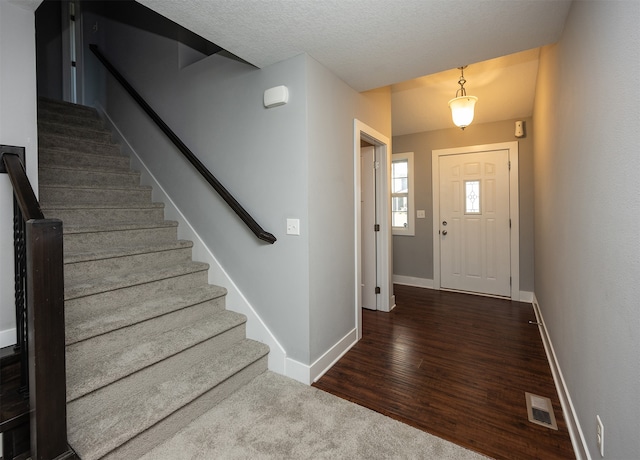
point(462, 105)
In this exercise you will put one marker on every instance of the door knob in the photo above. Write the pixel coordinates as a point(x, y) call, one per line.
point(444, 232)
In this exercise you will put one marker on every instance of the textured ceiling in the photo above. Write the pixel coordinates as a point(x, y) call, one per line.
point(371, 43)
point(504, 86)
point(375, 43)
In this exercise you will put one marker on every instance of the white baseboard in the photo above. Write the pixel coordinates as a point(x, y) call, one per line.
point(520, 296)
point(525, 296)
point(413, 281)
point(327, 360)
point(7, 337)
point(570, 416)
point(311, 373)
point(236, 301)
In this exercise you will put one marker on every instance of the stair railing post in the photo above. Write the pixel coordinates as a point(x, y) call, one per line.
point(45, 310)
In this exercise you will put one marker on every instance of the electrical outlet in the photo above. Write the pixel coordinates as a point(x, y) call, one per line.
point(600, 432)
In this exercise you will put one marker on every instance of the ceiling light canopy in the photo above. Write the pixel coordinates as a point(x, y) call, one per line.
point(462, 106)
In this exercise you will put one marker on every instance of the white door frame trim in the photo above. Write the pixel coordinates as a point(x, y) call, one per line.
point(383, 205)
point(514, 207)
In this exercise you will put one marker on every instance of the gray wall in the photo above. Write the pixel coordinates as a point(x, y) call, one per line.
point(332, 106)
point(587, 216)
point(17, 127)
point(272, 160)
point(413, 255)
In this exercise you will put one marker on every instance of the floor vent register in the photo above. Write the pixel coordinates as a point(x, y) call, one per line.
point(540, 411)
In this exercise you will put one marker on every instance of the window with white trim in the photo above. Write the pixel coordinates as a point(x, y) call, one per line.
point(402, 205)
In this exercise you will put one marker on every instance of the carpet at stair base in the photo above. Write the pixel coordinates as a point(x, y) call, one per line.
point(274, 417)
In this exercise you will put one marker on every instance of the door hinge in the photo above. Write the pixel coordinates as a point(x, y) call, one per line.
point(509, 223)
point(509, 165)
point(376, 164)
point(510, 279)
point(377, 289)
point(73, 63)
point(376, 228)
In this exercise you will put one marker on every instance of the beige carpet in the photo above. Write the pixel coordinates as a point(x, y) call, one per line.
point(274, 417)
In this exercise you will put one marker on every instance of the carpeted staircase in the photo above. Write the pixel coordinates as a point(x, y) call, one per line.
point(149, 344)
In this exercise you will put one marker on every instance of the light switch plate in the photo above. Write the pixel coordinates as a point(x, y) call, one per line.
point(420, 214)
point(293, 226)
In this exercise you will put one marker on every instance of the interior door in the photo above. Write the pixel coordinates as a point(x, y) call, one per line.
point(368, 237)
point(474, 222)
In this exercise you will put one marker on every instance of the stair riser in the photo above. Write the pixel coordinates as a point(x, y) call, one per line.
point(77, 145)
point(49, 196)
point(83, 178)
point(114, 163)
point(91, 121)
point(75, 132)
point(79, 385)
point(67, 108)
point(79, 328)
point(91, 241)
point(97, 216)
point(126, 296)
point(169, 426)
point(75, 272)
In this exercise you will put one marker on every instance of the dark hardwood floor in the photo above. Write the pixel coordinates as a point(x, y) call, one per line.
point(14, 407)
point(456, 366)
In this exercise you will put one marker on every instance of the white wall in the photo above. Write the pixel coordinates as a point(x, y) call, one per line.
point(17, 127)
point(587, 216)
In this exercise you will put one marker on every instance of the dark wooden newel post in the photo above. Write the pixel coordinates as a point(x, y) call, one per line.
point(45, 310)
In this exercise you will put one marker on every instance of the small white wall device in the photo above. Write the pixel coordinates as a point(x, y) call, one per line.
point(278, 95)
point(519, 128)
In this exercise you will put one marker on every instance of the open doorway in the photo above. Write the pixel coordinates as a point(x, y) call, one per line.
point(372, 205)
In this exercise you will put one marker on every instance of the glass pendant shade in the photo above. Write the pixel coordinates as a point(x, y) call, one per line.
point(462, 110)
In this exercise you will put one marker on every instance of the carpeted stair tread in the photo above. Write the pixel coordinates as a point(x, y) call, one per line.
point(51, 115)
point(85, 322)
point(107, 418)
point(120, 281)
point(72, 144)
point(57, 157)
point(118, 226)
point(75, 131)
point(106, 205)
point(104, 359)
point(67, 107)
point(76, 188)
point(122, 260)
point(87, 177)
point(100, 213)
point(109, 253)
point(52, 195)
point(100, 302)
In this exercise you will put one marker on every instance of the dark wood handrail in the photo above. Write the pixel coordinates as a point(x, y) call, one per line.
point(201, 168)
point(22, 187)
point(42, 246)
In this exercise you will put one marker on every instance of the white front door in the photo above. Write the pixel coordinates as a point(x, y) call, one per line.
point(368, 207)
point(474, 224)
